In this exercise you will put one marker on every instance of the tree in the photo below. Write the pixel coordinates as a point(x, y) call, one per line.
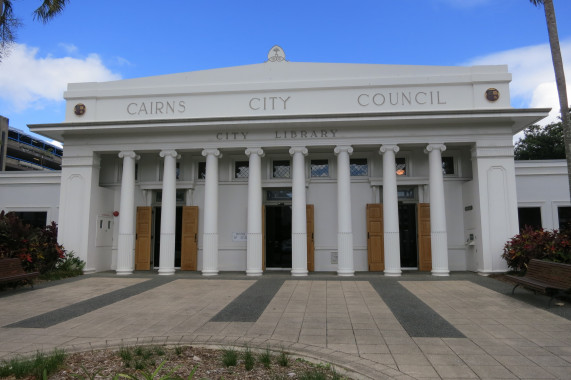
point(559, 77)
point(9, 23)
point(541, 143)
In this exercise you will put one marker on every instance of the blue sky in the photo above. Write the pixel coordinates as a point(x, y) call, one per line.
point(101, 40)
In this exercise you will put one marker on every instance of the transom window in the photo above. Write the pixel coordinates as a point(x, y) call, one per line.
point(202, 170)
point(281, 169)
point(358, 167)
point(400, 165)
point(447, 165)
point(241, 169)
point(319, 168)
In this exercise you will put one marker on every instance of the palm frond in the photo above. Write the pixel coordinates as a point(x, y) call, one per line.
point(536, 2)
point(49, 9)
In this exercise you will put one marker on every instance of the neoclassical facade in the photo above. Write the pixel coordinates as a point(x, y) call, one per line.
point(292, 166)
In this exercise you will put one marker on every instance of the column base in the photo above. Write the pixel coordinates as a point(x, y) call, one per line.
point(166, 271)
point(123, 272)
point(392, 273)
point(345, 273)
point(299, 272)
point(441, 273)
point(254, 273)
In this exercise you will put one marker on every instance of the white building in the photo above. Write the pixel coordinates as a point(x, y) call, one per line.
point(298, 166)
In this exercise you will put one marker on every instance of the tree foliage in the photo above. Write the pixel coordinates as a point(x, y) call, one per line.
point(541, 143)
point(9, 23)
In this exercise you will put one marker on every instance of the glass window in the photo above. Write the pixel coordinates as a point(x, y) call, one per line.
point(202, 170)
point(564, 214)
point(400, 165)
point(358, 167)
point(447, 165)
point(178, 170)
point(34, 218)
point(279, 195)
point(180, 196)
point(241, 169)
point(281, 169)
point(319, 168)
point(529, 216)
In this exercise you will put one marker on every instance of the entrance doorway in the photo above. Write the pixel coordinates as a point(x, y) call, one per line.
point(147, 243)
point(408, 236)
point(278, 236)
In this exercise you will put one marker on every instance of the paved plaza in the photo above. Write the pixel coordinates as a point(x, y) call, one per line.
point(415, 326)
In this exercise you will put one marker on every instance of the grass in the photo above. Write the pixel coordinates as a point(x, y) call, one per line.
point(249, 359)
point(229, 357)
point(265, 358)
point(283, 359)
point(35, 366)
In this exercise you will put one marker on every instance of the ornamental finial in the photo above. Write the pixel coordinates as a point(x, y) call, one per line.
point(276, 54)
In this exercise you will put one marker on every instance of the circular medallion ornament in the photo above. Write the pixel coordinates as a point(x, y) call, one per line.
point(79, 109)
point(492, 94)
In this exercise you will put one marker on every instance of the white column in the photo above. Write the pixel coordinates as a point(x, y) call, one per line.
point(390, 212)
point(210, 236)
point(345, 266)
point(254, 242)
point(126, 242)
point(298, 214)
point(438, 236)
point(168, 213)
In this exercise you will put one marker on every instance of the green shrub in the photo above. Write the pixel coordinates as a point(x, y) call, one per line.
point(537, 244)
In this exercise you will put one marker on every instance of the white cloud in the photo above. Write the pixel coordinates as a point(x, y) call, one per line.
point(533, 79)
point(28, 81)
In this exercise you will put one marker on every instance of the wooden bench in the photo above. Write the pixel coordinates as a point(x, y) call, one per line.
point(11, 271)
point(546, 277)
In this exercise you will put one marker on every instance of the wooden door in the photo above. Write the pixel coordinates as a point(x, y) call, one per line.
point(375, 240)
point(143, 238)
point(189, 238)
point(310, 238)
point(424, 249)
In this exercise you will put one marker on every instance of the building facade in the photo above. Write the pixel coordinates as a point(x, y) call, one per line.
point(292, 166)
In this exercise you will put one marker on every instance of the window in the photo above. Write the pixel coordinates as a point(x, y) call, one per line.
point(178, 170)
point(447, 165)
point(529, 216)
point(241, 169)
point(319, 168)
point(358, 167)
point(281, 169)
point(202, 170)
point(279, 195)
point(33, 218)
point(564, 215)
point(180, 196)
point(400, 165)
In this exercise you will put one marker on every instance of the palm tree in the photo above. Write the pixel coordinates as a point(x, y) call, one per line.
point(559, 76)
point(9, 23)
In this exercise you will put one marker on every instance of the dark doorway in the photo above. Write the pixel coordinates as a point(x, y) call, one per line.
point(529, 216)
point(157, 237)
point(278, 236)
point(407, 232)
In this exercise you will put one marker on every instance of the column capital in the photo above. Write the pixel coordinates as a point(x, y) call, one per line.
point(256, 151)
point(343, 148)
point(129, 153)
point(385, 148)
point(212, 152)
point(298, 149)
point(172, 153)
point(431, 147)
